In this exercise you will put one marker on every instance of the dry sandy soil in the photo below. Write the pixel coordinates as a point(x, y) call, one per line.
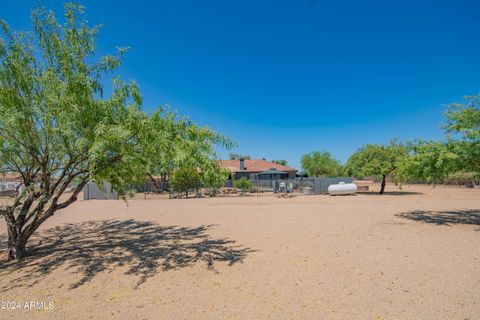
point(413, 254)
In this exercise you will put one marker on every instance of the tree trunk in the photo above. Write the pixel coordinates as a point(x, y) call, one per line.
point(19, 233)
point(157, 185)
point(16, 246)
point(384, 182)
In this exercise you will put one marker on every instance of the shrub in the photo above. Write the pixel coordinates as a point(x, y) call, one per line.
point(185, 179)
point(461, 178)
point(243, 184)
point(214, 178)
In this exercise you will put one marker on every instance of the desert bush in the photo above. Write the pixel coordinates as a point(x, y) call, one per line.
point(243, 184)
point(214, 178)
point(185, 179)
point(462, 178)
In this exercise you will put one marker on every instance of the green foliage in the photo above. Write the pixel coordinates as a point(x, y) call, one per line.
point(185, 179)
point(468, 153)
point(237, 156)
point(428, 161)
point(175, 143)
point(463, 119)
point(214, 177)
point(463, 123)
point(377, 161)
point(52, 116)
point(243, 184)
point(321, 164)
point(437, 161)
point(462, 178)
point(57, 129)
point(280, 162)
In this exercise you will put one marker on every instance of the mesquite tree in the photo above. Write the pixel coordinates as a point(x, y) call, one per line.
point(377, 161)
point(56, 130)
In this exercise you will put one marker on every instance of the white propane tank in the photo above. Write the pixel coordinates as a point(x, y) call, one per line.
point(342, 188)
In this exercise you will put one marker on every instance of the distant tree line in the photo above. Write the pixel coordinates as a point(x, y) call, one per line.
point(237, 156)
point(280, 162)
point(457, 158)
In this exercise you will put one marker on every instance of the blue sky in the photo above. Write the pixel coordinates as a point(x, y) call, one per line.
point(284, 78)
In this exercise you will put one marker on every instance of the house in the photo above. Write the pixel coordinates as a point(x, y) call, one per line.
point(257, 169)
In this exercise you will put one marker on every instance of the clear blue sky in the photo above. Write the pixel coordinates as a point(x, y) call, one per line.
point(284, 78)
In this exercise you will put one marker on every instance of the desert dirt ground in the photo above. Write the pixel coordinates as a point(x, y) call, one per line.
point(410, 254)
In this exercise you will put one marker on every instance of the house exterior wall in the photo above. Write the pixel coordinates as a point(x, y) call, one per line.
point(250, 175)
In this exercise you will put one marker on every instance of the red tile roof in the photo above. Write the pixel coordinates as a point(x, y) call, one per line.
point(254, 166)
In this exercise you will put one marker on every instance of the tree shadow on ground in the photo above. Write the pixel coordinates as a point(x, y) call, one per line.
point(144, 248)
point(3, 246)
point(391, 193)
point(467, 216)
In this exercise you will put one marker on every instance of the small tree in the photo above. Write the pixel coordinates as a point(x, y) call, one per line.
point(243, 184)
point(214, 177)
point(185, 179)
point(377, 161)
point(321, 164)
